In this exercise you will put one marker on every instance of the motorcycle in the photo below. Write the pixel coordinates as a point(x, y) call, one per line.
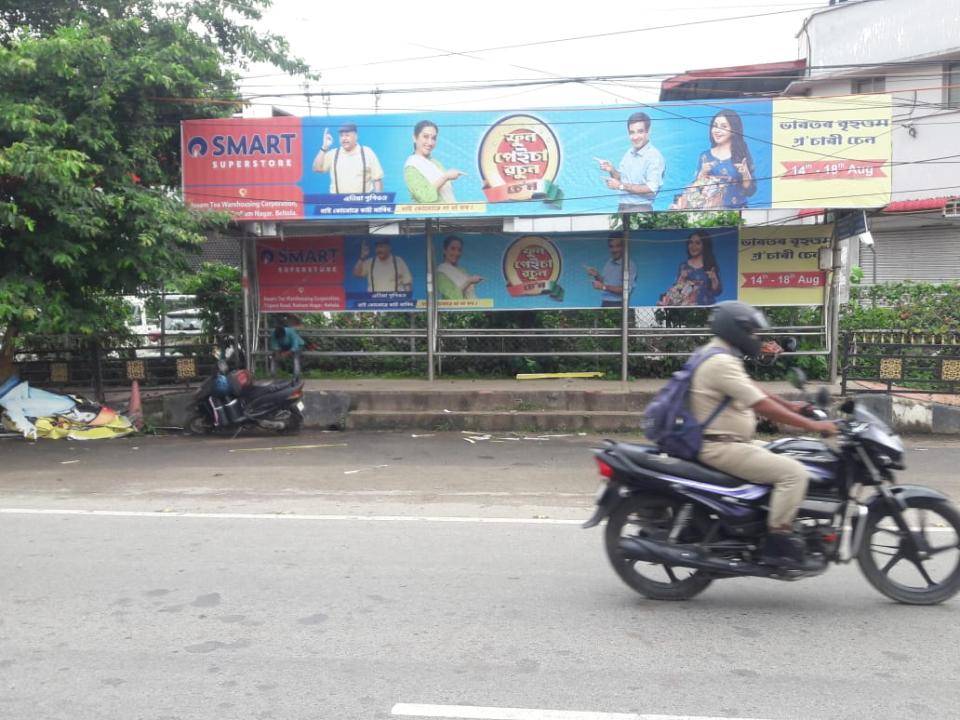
point(673, 526)
point(230, 400)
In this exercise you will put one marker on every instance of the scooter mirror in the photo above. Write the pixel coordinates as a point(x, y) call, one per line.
point(797, 377)
point(847, 407)
point(789, 344)
point(823, 398)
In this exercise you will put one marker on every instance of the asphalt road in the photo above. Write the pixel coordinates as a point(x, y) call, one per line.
point(384, 575)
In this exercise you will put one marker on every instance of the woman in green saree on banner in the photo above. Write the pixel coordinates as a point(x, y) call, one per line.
point(426, 178)
point(453, 282)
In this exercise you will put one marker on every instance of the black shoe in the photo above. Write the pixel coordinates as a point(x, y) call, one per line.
point(787, 552)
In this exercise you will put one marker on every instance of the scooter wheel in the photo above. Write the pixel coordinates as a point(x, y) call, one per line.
point(652, 517)
point(199, 424)
point(293, 422)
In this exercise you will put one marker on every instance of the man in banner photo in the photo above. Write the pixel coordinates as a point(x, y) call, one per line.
point(610, 281)
point(353, 168)
point(640, 173)
point(385, 272)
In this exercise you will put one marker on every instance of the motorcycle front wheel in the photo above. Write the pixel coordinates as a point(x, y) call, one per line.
point(653, 517)
point(892, 564)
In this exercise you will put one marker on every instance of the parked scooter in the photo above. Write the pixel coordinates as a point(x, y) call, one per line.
point(674, 526)
point(230, 400)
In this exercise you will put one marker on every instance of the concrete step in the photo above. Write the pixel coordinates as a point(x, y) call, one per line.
point(498, 401)
point(497, 421)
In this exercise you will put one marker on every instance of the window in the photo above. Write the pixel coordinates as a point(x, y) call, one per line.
point(869, 85)
point(951, 81)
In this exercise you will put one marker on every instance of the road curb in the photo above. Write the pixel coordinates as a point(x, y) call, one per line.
point(908, 415)
point(324, 409)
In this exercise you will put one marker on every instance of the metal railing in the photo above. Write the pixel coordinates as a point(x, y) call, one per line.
point(884, 361)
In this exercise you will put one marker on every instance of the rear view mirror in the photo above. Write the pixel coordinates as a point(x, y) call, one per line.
point(847, 407)
point(797, 378)
point(789, 344)
point(823, 398)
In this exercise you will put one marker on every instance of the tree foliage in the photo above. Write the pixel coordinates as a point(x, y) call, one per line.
point(917, 307)
point(91, 97)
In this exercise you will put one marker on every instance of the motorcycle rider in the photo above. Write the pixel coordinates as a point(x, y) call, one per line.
point(728, 442)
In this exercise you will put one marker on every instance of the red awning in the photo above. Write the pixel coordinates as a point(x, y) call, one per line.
point(788, 69)
point(922, 205)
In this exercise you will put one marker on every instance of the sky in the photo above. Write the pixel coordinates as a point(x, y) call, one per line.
point(388, 45)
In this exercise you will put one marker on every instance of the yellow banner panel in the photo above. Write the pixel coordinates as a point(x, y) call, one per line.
point(832, 152)
point(781, 266)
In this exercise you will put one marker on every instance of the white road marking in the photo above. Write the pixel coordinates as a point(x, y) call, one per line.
point(168, 513)
point(286, 447)
point(354, 472)
point(470, 712)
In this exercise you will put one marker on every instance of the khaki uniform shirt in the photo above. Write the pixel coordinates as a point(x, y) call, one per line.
point(719, 377)
point(348, 175)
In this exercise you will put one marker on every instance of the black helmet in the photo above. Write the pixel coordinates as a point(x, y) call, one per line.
point(738, 324)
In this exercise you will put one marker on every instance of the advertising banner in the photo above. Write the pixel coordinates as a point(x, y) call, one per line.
point(330, 273)
point(832, 152)
point(781, 265)
point(539, 272)
point(681, 156)
point(474, 271)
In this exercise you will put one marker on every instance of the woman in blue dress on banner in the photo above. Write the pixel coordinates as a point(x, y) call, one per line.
point(698, 277)
point(725, 171)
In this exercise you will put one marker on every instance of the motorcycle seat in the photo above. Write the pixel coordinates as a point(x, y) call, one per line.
point(649, 458)
point(254, 391)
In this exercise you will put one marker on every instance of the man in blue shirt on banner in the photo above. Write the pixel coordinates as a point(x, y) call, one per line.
point(640, 173)
point(610, 281)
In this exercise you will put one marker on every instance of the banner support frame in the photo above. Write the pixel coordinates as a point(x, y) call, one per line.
point(431, 302)
point(625, 301)
point(833, 325)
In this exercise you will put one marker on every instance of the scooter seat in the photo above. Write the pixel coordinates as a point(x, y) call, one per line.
point(254, 391)
point(649, 458)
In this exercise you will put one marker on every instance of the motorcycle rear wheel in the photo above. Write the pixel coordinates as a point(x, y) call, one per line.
point(652, 516)
point(888, 565)
point(292, 421)
point(199, 424)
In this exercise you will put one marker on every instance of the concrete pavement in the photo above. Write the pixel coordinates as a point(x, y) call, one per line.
point(341, 575)
point(198, 617)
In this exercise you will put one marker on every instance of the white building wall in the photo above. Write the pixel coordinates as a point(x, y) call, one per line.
point(875, 32)
point(923, 129)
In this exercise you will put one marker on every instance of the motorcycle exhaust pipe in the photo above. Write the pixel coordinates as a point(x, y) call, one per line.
point(634, 548)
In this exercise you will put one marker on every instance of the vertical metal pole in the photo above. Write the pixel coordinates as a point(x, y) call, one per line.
point(836, 270)
point(97, 356)
point(625, 302)
point(163, 320)
point(431, 301)
point(245, 284)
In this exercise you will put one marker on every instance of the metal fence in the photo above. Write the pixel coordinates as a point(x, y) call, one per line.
point(504, 343)
point(78, 363)
point(887, 360)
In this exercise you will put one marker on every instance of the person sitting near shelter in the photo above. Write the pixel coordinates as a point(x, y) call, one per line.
point(285, 342)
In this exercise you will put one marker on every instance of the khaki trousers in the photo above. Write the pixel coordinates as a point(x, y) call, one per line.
point(754, 463)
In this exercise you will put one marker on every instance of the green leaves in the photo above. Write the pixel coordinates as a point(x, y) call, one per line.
point(91, 98)
point(920, 307)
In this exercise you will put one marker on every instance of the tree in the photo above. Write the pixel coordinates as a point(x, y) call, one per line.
point(91, 97)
